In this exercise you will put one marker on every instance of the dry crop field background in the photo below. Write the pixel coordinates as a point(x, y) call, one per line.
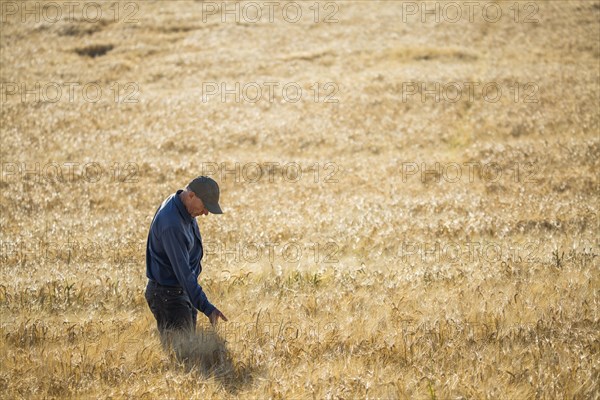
point(410, 192)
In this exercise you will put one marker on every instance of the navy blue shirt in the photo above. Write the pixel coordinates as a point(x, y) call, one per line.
point(174, 251)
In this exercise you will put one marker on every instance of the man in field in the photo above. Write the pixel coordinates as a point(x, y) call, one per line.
point(173, 258)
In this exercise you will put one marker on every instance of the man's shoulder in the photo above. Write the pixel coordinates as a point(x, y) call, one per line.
point(167, 215)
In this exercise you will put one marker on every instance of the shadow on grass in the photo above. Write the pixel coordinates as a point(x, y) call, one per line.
point(205, 352)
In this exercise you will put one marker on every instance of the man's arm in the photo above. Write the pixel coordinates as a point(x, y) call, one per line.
point(173, 242)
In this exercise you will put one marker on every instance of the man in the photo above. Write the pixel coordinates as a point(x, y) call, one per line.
point(173, 258)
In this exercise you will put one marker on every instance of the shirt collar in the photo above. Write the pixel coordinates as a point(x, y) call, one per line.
point(181, 207)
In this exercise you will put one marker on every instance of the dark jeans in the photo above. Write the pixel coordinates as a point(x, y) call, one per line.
point(172, 309)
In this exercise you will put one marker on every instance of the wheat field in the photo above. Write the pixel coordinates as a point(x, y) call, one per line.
point(410, 195)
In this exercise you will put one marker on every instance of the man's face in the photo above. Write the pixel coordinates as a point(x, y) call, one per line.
point(196, 206)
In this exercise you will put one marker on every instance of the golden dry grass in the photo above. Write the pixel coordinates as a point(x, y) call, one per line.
point(420, 287)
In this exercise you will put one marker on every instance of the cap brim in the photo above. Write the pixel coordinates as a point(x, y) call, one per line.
point(213, 208)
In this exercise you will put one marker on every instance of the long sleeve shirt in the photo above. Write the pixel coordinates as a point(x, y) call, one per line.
point(174, 251)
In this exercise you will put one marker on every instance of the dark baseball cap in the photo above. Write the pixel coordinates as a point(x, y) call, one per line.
point(208, 191)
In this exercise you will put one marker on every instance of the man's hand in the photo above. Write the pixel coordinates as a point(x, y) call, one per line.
point(215, 315)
